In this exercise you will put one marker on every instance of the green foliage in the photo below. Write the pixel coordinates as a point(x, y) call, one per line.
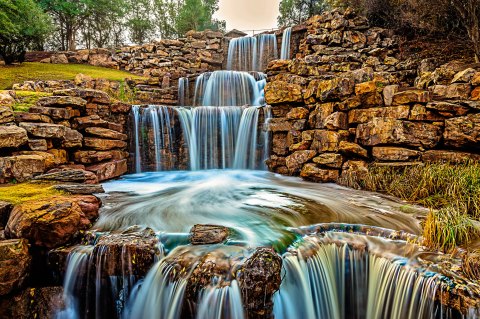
point(197, 15)
point(22, 25)
point(297, 11)
point(24, 100)
point(46, 71)
point(139, 21)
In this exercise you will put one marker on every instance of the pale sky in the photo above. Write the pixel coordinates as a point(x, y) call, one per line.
point(248, 14)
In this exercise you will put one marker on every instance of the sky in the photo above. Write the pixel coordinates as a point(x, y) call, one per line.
point(248, 14)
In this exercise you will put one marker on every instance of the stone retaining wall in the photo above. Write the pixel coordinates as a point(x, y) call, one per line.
point(76, 135)
point(349, 102)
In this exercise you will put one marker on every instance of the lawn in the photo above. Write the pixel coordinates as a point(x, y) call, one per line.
point(45, 71)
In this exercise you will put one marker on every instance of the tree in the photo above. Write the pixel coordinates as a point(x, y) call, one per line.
point(140, 21)
point(298, 11)
point(198, 15)
point(22, 25)
point(469, 11)
point(166, 14)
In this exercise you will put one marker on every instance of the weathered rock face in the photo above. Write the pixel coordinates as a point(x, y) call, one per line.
point(394, 154)
point(20, 168)
point(14, 264)
point(6, 114)
point(5, 209)
point(389, 131)
point(283, 92)
point(49, 223)
point(312, 172)
point(295, 161)
point(463, 132)
point(109, 170)
point(12, 136)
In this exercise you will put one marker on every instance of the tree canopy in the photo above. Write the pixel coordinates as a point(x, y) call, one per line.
point(297, 11)
point(23, 25)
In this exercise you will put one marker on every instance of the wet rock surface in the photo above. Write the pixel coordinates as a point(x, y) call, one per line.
point(33, 303)
point(208, 234)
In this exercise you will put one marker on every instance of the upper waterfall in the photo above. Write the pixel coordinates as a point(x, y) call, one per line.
point(252, 53)
point(285, 51)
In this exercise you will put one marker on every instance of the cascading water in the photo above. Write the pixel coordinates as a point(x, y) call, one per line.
point(252, 53)
point(183, 91)
point(285, 51)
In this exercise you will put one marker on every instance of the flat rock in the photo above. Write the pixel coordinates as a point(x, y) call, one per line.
point(282, 92)
point(463, 132)
point(12, 136)
point(208, 234)
point(454, 157)
point(74, 175)
point(14, 264)
point(109, 170)
point(32, 117)
point(94, 96)
point(44, 130)
point(80, 189)
point(106, 133)
point(6, 114)
point(62, 102)
point(21, 167)
point(38, 144)
point(394, 154)
point(55, 113)
point(91, 157)
point(101, 144)
point(311, 172)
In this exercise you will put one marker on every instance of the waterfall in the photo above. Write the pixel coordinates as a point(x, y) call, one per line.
point(219, 303)
point(339, 281)
point(224, 137)
point(154, 137)
point(252, 53)
point(228, 88)
point(183, 91)
point(285, 52)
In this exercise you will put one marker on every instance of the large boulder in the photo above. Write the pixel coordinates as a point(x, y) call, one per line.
point(463, 132)
point(208, 234)
point(14, 264)
point(47, 223)
point(12, 136)
point(381, 131)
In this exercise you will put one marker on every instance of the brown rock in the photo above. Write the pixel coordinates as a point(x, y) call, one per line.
point(109, 170)
point(476, 94)
point(334, 89)
point(106, 133)
point(359, 116)
point(411, 96)
point(81, 123)
point(33, 303)
point(388, 92)
point(59, 59)
point(463, 132)
point(443, 107)
point(394, 154)
point(295, 161)
point(356, 170)
point(284, 125)
point(32, 117)
point(336, 121)
point(458, 91)
point(475, 79)
point(6, 99)
point(55, 113)
point(282, 92)
point(59, 156)
point(320, 114)
point(20, 168)
point(103, 144)
point(38, 144)
point(453, 157)
point(326, 141)
point(61, 102)
point(12, 136)
point(72, 139)
point(464, 76)
point(6, 115)
point(92, 96)
point(297, 113)
point(208, 234)
point(352, 149)
point(44, 130)
point(80, 189)
point(312, 172)
point(66, 175)
point(89, 204)
point(47, 223)
point(14, 264)
point(90, 157)
point(331, 160)
point(389, 131)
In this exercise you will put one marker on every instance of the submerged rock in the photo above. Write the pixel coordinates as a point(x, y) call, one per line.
point(208, 234)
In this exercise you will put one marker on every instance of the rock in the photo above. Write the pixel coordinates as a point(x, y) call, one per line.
point(12, 136)
point(92, 96)
point(47, 223)
point(295, 161)
point(89, 204)
point(90, 157)
point(57, 114)
point(30, 303)
point(464, 76)
point(49, 159)
point(476, 94)
point(297, 113)
point(81, 123)
point(388, 92)
point(319, 116)
point(80, 189)
point(14, 264)
point(354, 170)
point(20, 168)
point(397, 132)
point(109, 170)
point(38, 144)
point(475, 80)
point(282, 92)
point(32, 117)
point(359, 116)
point(463, 132)
point(411, 96)
point(458, 91)
point(334, 89)
point(394, 154)
point(62, 102)
point(59, 59)
point(352, 149)
point(72, 176)
point(453, 157)
point(446, 107)
point(283, 125)
point(6, 99)
point(6, 114)
point(208, 234)
point(72, 139)
point(106, 133)
point(326, 141)
point(336, 121)
point(45, 130)
point(312, 172)
point(331, 160)
point(103, 144)
point(5, 209)
point(259, 278)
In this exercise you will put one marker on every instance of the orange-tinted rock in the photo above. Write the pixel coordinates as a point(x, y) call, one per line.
point(109, 170)
point(72, 139)
point(14, 264)
point(312, 172)
point(12, 136)
point(282, 92)
point(106, 133)
point(331, 160)
point(320, 114)
point(32, 117)
point(334, 89)
point(31, 303)
point(21, 167)
point(476, 94)
point(358, 116)
point(454, 157)
point(90, 157)
point(326, 141)
point(295, 161)
point(356, 170)
point(352, 149)
point(6, 114)
point(394, 154)
point(297, 113)
point(463, 131)
point(103, 144)
point(47, 223)
point(336, 121)
point(411, 96)
point(464, 76)
point(458, 91)
point(208, 234)
point(44, 130)
point(56, 113)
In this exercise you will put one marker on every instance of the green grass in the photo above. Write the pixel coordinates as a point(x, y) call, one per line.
point(27, 99)
point(451, 191)
point(21, 193)
point(45, 71)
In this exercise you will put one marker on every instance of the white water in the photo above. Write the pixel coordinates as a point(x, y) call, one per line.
point(183, 92)
point(252, 53)
point(286, 44)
